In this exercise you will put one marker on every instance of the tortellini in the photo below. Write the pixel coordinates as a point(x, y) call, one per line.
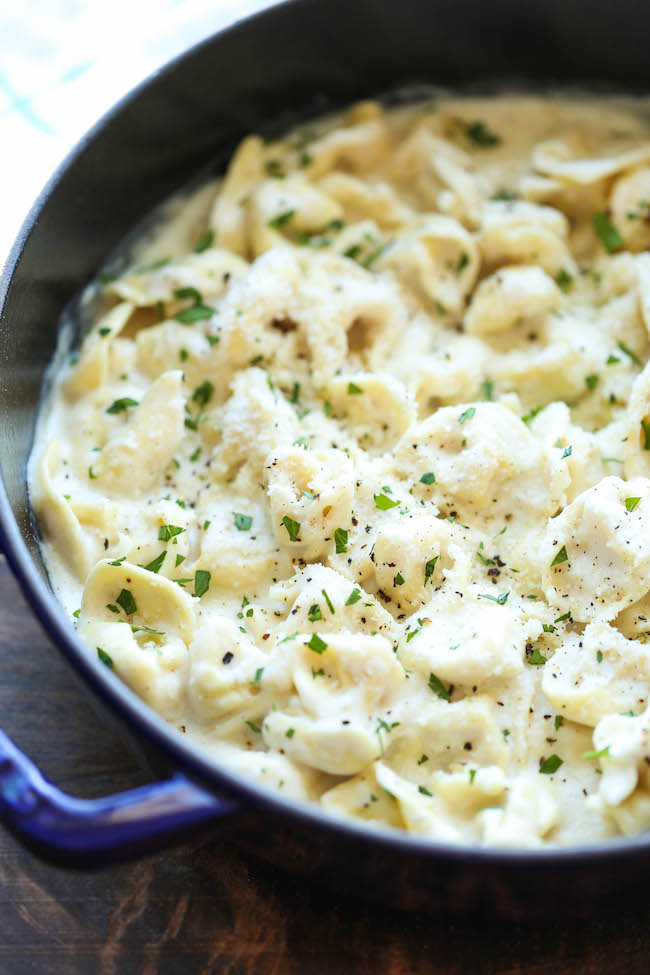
point(349, 479)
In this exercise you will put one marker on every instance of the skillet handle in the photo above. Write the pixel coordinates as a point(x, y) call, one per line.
point(95, 832)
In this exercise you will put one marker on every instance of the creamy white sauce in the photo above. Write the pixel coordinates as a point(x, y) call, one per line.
point(357, 496)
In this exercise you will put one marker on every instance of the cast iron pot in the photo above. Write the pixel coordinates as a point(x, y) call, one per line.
point(287, 64)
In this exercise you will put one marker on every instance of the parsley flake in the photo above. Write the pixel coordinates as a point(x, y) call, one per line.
point(314, 613)
point(631, 503)
point(105, 658)
point(127, 602)
point(438, 688)
point(281, 219)
point(293, 527)
point(316, 644)
point(467, 414)
point(165, 532)
point(429, 568)
point(428, 478)
point(121, 405)
point(201, 582)
point(205, 242)
point(550, 765)
point(341, 540)
point(560, 557)
point(243, 523)
point(629, 353)
point(156, 564)
point(606, 232)
point(501, 600)
point(603, 753)
point(536, 658)
point(353, 598)
point(384, 503)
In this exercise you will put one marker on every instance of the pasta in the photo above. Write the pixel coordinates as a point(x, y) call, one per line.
point(350, 477)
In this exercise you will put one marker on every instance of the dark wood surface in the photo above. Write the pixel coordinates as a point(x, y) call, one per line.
point(206, 907)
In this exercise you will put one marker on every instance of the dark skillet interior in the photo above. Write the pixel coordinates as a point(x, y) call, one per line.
point(288, 64)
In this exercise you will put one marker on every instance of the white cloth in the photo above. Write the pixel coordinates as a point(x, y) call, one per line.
point(63, 63)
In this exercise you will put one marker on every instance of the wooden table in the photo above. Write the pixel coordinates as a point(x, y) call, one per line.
point(207, 908)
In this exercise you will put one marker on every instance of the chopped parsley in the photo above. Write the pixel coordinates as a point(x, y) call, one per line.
point(195, 313)
point(603, 753)
point(353, 389)
point(243, 523)
point(316, 644)
point(398, 580)
point(165, 532)
point(127, 602)
point(105, 658)
point(533, 413)
point(411, 633)
point(631, 503)
point(429, 568)
point(328, 601)
point(353, 598)
point(467, 414)
point(290, 732)
point(629, 353)
point(481, 135)
point(281, 219)
point(536, 658)
point(341, 540)
point(424, 791)
point(564, 618)
point(156, 564)
point(438, 688)
point(559, 721)
point(563, 280)
point(121, 405)
point(501, 600)
point(314, 613)
point(560, 557)
point(293, 527)
point(201, 582)
point(428, 478)
point(254, 727)
point(592, 380)
point(205, 242)
point(606, 232)
point(645, 426)
point(550, 765)
point(384, 503)
point(203, 393)
point(422, 759)
point(258, 675)
point(488, 389)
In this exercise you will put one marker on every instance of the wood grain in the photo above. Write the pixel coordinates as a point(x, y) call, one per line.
point(206, 907)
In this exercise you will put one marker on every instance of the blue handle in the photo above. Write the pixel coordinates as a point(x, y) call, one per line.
point(93, 832)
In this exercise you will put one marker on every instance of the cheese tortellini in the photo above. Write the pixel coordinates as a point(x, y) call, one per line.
point(349, 479)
